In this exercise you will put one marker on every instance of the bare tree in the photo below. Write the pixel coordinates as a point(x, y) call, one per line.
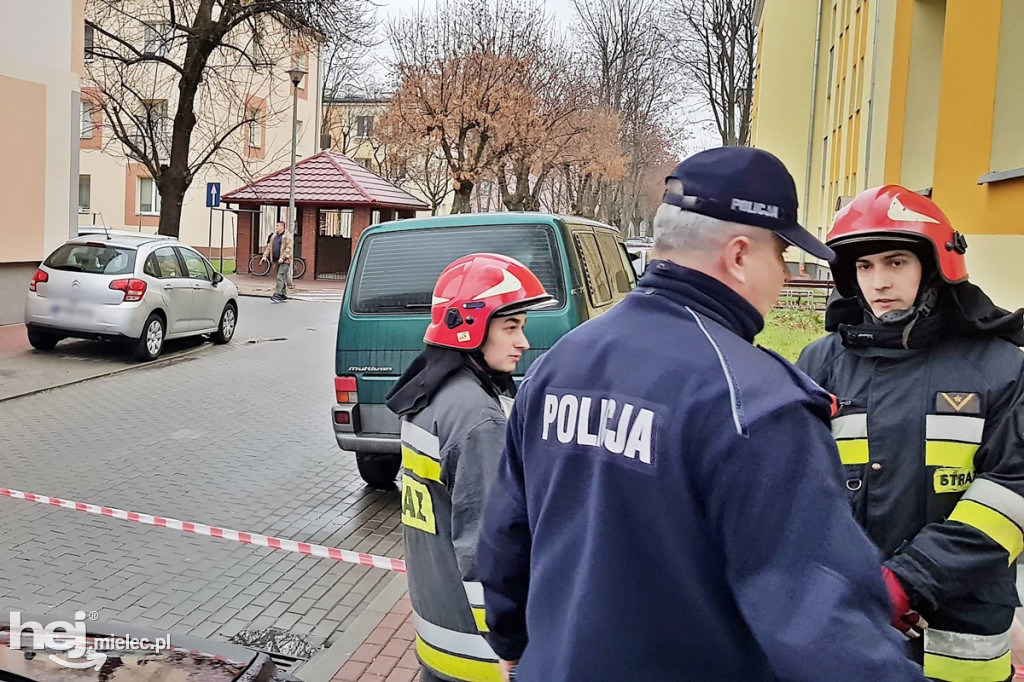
point(714, 43)
point(164, 69)
point(626, 52)
point(460, 71)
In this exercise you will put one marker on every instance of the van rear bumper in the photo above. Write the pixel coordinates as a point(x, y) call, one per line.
point(348, 439)
point(376, 444)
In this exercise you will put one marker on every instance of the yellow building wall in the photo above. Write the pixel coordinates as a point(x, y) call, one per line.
point(783, 84)
point(920, 126)
point(1007, 135)
point(946, 108)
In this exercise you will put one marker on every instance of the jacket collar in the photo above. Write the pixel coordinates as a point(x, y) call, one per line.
point(704, 295)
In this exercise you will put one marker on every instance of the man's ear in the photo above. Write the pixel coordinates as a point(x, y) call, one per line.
point(734, 257)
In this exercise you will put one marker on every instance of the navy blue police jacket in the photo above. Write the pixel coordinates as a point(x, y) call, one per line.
point(668, 507)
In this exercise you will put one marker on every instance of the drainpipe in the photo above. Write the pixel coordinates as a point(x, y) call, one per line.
point(871, 101)
point(810, 129)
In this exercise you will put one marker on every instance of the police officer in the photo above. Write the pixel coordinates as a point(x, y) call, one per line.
point(668, 505)
point(453, 402)
point(930, 427)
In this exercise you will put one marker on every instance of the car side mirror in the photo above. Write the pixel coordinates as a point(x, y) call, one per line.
point(217, 278)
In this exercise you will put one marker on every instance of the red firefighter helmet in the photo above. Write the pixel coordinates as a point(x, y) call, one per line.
point(474, 289)
point(894, 215)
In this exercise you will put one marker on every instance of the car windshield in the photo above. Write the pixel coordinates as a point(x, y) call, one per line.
point(399, 269)
point(98, 259)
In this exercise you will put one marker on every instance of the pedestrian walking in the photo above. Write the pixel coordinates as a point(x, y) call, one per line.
point(668, 504)
point(930, 426)
point(453, 402)
point(279, 251)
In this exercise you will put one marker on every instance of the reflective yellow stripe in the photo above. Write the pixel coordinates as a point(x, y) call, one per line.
point(942, 453)
point(480, 617)
point(991, 523)
point(939, 667)
point(456, 667)
point(427, 468)
point(853, 451)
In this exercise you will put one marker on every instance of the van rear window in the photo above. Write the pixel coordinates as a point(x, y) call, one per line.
point(397, 270)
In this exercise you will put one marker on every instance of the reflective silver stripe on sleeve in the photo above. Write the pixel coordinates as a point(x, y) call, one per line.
point(458, 643)
point(963, 645)
point(952, 427)
point(1003, 500)
point(421, 439)
point(850, 426)
point(474, 593)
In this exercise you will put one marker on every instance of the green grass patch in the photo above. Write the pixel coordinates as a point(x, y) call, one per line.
point(229, 266)
point(787, 332)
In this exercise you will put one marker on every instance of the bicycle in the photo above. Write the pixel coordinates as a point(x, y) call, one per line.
point(261, 268)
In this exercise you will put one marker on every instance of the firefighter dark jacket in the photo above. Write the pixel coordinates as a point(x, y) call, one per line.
point(668, 508)
point(930, 430)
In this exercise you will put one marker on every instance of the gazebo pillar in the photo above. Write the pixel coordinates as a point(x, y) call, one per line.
point(244, 242)
point(361, 216)
point(310, 227)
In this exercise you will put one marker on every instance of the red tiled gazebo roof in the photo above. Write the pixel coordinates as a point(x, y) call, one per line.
point(326, 179)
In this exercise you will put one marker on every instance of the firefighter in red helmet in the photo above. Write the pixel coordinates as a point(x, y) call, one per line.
point(929, 421)
point(453, 402)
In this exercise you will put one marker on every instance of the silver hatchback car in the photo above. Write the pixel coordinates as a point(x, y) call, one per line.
point(142, 289)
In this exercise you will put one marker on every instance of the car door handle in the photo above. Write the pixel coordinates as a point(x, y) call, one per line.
point(168, 286)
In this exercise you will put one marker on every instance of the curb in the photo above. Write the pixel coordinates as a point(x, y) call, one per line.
point(326, 664)
point(142, 365)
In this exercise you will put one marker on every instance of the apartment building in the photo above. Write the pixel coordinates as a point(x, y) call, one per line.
point(928, 94)
point(249, 108)
point(40, 62)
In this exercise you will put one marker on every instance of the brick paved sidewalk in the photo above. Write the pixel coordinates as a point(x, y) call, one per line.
point(13, 338)
point(387, 653)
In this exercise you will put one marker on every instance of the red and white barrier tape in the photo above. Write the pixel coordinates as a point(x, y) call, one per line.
point(306, 548)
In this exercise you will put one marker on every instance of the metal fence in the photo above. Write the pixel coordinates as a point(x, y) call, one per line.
point(805, 294)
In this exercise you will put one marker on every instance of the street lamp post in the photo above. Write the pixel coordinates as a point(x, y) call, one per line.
point(295, 74)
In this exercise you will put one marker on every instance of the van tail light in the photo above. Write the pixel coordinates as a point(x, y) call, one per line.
point(345, 389)
point(134, 289)
point(39, 276)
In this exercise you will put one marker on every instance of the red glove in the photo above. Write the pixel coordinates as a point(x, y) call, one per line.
point(906, 621)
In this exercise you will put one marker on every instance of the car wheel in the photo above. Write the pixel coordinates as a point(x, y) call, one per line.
point(378, 470)
point(228, 320)
point(151, 343)
point(42, 340)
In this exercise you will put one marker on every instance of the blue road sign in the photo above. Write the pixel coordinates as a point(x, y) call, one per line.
point(212, 194)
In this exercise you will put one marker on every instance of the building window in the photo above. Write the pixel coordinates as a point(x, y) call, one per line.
point(149, 197)
point(85, 130)
point(255, 129)
point(90, 43)
point(364, 126)
point(365, 163)
point(155, 118)
point(84, 193)
point(156, 36)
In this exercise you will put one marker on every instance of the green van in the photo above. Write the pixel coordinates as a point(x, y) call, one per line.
point(386, 307)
